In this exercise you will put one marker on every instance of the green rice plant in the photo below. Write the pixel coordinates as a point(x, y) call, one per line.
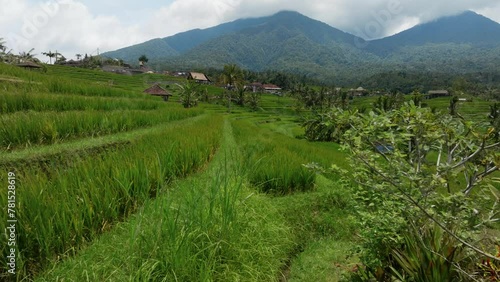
point(14, 71)
point(35, 128)
point(212, 235)
point(280, 171)
point(67, 80)
point(272, 167)
point(62, 210)
point(68, 87)
point(209, 227)
point(14, 102)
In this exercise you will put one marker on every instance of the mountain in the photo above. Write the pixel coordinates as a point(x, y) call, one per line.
point(275, 42)
point(155, 49)
point(182, 42)
point(467, 28)
point(289, 41)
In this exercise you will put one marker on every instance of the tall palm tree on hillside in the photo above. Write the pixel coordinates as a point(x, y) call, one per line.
point(49, 54)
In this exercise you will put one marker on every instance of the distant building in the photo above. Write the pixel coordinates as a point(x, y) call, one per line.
point(157, 90)
point(255, 87)
point(71, 63)
point(198, 77)
point(437, 93)
point(358, 92)
point(271, 88)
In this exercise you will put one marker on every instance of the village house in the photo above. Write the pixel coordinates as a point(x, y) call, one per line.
point(255, 87)
point(271, 88)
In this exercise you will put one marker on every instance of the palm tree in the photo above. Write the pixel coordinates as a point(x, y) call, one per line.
point(240, 94)
point(50, 55)
point(189, 94)
point(26, 56)
point(231, 75)
point(253, 99)
point(78, 56)
point(2, 45)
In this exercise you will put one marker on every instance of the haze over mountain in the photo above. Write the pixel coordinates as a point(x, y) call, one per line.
point(289, 41)
point(466, 28)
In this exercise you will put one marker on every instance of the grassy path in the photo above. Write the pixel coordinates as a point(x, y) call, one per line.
point(209, 226)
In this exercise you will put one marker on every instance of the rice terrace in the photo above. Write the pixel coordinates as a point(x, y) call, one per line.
point(288, 164)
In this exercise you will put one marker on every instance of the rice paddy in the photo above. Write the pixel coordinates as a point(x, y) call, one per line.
point(116, 185)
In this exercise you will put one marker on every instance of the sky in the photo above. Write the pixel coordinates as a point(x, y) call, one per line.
point(87, 27)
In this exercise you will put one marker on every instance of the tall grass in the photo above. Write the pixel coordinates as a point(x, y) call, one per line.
point(212, 234)
point(30, 128)
point(14, 102)
point(209, 227)
point(67, 80)
point(69, 87)
point(272, 167)
point(60, 211)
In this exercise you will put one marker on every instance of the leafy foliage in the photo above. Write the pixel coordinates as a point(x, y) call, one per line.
point(494, 118)
point(143, 59)
point(189, 94)
point(430, 254)
point(406, 164)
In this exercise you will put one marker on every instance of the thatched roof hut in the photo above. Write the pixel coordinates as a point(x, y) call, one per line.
point(198, 77)
point(29, 65)
point(157, 90)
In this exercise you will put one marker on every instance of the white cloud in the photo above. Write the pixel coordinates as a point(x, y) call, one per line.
point(82, 28)
point(66, 26)
point(368, 18)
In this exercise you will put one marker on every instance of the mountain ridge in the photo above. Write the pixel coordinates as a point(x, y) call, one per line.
point(289, 41)
point(465, 28)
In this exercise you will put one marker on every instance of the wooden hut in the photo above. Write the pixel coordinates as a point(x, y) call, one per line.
point(157, 90)
point(198, 77)
point(29, 65)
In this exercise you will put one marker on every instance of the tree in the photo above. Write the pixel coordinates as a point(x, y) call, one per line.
point(189, 93)
point(2, 45)
point(389, 102)
point(494, 118)
point(143, 59)
point(240, 94)
point(231, 75)
point(3, 48)
point(26, 56)
point(232, 78)
point(412, 169)
point(50, 55)
point(60, 58)
point(253, 99)
point(78, 56)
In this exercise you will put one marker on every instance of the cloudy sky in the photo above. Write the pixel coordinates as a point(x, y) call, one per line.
point(77, 26)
